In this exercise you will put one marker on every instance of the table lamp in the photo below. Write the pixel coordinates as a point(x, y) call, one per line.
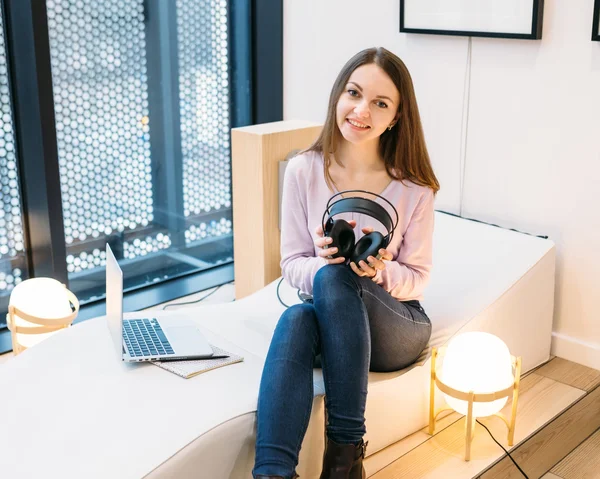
point(477, 376)
point(38, 308)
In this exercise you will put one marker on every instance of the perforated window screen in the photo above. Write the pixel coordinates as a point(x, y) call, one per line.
point(99, 52)
point(101, 106)
point(12, 248)
point(204, 106)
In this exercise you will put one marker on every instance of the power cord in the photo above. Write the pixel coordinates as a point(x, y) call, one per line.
point(464, 131)
point(195, 301)
point(507, 453)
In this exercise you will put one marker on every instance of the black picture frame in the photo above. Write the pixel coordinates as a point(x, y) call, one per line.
point(596, 22)
point(534, 34)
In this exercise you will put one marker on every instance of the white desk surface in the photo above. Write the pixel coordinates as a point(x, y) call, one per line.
point(72, 409)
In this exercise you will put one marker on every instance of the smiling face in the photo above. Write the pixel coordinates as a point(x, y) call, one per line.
point(368, 104)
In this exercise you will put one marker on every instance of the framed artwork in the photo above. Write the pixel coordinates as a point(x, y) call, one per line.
point(596, 22)
point(520, 19)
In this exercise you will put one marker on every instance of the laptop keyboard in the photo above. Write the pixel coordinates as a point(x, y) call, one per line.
point(145, 337)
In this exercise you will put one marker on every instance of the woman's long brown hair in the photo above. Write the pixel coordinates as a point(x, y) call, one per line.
point(403, 147)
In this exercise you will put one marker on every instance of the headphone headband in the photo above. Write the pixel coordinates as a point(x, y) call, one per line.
point(364, 206)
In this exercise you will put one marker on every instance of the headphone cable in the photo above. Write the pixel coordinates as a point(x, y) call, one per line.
point(507, 453)
point(278, 296)
point(195, 301)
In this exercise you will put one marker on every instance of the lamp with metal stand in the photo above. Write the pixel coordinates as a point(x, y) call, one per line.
point(478, 375)
point(38, 308)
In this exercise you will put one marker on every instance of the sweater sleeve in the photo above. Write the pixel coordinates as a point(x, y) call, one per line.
point(299, 265)
point(406, 276)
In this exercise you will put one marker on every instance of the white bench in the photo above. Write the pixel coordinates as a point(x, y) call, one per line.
point(73, 410)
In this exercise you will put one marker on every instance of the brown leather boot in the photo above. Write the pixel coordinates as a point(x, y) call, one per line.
point(344, 461)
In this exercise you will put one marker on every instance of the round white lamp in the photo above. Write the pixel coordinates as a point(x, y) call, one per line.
point(38, 308)
point(477, 376)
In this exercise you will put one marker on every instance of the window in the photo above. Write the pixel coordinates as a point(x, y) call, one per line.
point(143, 137)
point(132, 148)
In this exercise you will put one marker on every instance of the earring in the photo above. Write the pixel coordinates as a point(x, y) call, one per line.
point(391, 126)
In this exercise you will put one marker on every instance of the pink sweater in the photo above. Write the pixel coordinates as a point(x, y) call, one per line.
point(305, 196)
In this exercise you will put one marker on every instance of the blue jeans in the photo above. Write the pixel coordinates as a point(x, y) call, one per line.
point(356, 326)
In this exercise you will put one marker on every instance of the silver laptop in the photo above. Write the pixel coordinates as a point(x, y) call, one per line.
point(144, 339)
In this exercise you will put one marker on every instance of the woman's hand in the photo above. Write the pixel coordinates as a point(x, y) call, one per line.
point(323, 243)
point(375, 264)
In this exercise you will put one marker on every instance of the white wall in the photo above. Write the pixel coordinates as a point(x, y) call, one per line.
point(530, 150)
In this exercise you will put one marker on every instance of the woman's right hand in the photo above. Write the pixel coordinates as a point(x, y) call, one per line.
point(323, 245)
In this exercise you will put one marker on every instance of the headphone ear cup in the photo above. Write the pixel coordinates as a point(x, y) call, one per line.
point(342, 235)
point(368, 245)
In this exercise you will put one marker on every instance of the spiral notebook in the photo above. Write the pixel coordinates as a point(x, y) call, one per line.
point(189, 369)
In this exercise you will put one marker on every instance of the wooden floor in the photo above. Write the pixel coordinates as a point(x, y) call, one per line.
point(557, 433)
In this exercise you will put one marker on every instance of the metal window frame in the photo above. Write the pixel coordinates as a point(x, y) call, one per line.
point(30, 75)
point(256, 52)
point(267, 59)
point(256, 96)
point(163, 95)
point(596, 22)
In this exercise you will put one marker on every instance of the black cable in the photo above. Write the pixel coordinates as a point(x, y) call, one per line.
point(193, 302)
point(507, 453)
point(279, 297)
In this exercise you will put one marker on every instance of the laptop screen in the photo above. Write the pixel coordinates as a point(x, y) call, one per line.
point(114, 300)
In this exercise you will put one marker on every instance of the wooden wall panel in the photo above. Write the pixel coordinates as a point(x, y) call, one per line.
point(256, 153)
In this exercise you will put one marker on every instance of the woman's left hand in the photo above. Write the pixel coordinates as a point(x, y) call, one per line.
point(370, 270)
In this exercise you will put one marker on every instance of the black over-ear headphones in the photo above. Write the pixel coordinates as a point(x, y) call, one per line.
point(343, 234)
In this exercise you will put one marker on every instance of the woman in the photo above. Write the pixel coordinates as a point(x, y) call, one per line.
point(364, 316)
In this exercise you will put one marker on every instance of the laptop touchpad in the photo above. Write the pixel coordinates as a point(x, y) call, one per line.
point(188, 340)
